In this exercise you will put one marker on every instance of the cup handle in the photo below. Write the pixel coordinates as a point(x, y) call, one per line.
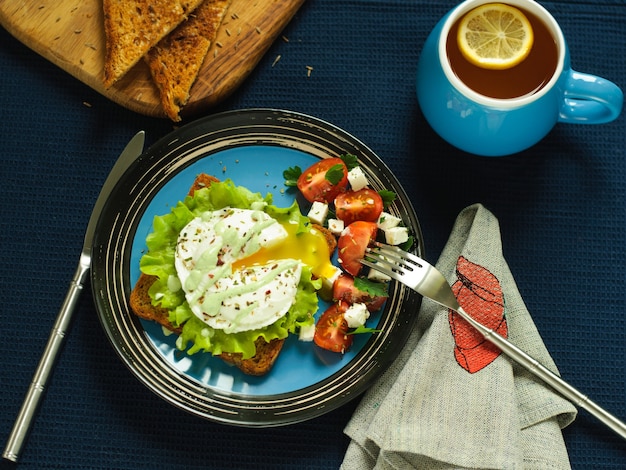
point(588, 99)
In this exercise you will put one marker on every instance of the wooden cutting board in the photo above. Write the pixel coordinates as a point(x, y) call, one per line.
point(70, 34)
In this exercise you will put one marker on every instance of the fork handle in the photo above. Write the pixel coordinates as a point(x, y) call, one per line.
point(550, 378)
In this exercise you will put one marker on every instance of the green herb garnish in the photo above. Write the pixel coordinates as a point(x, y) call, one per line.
point(291, 175)
point(407, 245)
point(363, 329)
point(387, 196)
point(376, 289)
point(334, 174)
point(350, 160)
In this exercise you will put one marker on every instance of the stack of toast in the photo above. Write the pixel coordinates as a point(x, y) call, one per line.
point(172, 36)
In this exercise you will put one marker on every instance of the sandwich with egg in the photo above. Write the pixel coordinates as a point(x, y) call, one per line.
point(232, 274)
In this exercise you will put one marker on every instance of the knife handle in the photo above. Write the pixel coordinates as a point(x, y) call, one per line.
point(48, 360)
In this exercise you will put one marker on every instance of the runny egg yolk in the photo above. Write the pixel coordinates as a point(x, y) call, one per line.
point(309, 247)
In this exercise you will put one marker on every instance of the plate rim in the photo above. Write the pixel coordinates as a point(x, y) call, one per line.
point(237, 409)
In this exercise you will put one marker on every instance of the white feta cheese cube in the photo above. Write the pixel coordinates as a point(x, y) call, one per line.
point(307, 332)
point(387, 221)
point(327, 282)
point(356, 315)
point(318, 212)
point(336, 226)
point(357, 178)
point(396, 235)
point(375, 275)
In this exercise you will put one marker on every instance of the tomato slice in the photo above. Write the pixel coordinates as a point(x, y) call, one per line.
point(352, 244)
point(324, 180)
point(364, 204)
point(331, 330)
point(344, 290)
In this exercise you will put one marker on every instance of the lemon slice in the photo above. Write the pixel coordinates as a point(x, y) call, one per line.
point(495, 36)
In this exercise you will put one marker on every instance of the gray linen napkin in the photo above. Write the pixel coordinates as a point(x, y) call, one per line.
point(450, 400)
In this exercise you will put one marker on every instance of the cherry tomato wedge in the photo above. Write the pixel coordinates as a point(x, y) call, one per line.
point(324, 180)
point(364, 204)
point(352, 244)
point(344, 290)
point(331, 330)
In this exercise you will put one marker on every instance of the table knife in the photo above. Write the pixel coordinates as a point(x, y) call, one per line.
point(56, 340)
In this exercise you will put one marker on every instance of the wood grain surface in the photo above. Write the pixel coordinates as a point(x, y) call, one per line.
point(70, 34)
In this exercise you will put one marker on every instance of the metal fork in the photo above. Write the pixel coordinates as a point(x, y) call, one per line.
point(426, 280)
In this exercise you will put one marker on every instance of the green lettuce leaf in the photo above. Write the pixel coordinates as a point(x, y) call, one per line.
point(166, 292)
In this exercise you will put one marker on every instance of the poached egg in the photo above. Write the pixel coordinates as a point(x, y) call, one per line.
point(240, 268)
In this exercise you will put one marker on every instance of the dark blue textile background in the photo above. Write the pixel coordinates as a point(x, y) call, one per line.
point(561, 206)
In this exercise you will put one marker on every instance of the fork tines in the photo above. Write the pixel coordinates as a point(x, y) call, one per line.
point(390, 260)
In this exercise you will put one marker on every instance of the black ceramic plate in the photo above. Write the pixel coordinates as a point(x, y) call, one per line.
point(253, 148)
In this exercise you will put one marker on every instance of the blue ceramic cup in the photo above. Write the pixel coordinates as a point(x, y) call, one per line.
point(489, 126)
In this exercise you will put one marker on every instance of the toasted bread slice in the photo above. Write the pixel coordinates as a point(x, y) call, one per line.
point(133, 27)
point(261, 362)
point(176, 60)
point(202, 181)
point(331, 241)
point(141, 305)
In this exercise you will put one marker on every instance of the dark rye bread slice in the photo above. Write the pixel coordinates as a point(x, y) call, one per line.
point(133, 27)
point(141, 304)
point(266, 353)
point(259, 364)
point(176, 60)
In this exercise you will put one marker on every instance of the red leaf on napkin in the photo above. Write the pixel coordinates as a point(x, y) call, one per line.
point(479, 293)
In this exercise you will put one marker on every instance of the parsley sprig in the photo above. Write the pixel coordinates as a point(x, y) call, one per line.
point(375, 289)
point(350, 160)
point(291, 176)
point(334, 174)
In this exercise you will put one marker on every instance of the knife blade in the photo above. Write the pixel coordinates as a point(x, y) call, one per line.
point(19, 433)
